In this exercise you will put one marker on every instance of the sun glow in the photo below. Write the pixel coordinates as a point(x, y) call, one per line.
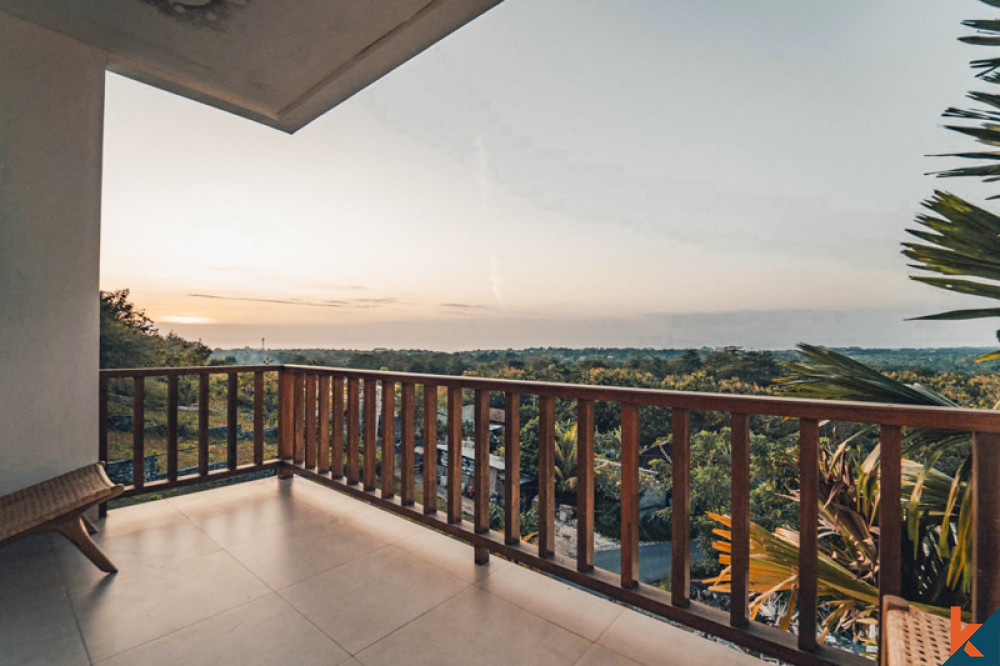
point(184, 319)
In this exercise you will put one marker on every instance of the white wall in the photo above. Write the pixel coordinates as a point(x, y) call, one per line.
point(51, 121)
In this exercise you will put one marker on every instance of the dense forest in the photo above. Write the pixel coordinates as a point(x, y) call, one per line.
point(924, 360)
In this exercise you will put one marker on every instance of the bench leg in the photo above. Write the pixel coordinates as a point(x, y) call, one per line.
point(91, 528)
point(75, 530)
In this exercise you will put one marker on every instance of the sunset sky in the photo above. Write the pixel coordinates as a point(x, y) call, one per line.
point(563, 172)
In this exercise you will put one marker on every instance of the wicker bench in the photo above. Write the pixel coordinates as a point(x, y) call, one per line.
point(913, 637)
point(58, 505)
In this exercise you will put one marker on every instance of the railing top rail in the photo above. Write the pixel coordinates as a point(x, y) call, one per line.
point(941, 418)
point(113, 373)
point(944, 418)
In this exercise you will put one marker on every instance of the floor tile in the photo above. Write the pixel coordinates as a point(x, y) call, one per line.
point(242, 524)
point(304, 490)
point(210, 501)
point(654, 642)
point(41, 632)
point(283, 559)
point(135, 552)
point(454, 556)
point(601, 656)
point(117, 615)
point(263, 632)
point(26, 547)
point(569, 607)
point(366, 599)
point(382, 524)
point(137, 517)
point(30, 579)
point(477, 628)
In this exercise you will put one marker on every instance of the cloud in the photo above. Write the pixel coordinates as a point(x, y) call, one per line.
point(339, 287)
point(339, 303)
point(468, 306)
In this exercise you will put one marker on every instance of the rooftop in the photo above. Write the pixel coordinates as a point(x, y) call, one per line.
point(289, 571)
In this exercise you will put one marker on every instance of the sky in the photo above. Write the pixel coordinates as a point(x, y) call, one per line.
point(650, 173)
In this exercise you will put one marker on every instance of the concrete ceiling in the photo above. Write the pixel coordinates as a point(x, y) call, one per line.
point(279, 62)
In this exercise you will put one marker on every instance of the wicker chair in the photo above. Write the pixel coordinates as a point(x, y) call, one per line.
point(58, 505)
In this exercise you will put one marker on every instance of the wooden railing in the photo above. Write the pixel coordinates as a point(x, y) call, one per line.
point(327, 433)
point(168, 380)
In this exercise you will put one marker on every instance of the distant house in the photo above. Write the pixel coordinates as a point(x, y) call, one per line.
point(497, 469)
point(496, 417)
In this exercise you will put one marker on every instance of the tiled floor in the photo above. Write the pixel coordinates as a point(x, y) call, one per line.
point(289, 572)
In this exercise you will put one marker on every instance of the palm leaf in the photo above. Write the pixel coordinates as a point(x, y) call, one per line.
point(980, 313)
point(774, 570)
point(929, 496)
point(828, 375)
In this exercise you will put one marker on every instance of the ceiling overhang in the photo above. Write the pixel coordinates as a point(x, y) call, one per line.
point(279, 63)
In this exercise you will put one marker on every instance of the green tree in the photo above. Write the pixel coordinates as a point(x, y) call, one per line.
point(959, 242)
point(129, 338)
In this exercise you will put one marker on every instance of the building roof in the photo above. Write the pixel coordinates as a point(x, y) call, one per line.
point(282, 64)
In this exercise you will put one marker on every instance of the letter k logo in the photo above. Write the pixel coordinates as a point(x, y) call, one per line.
point(960, 636)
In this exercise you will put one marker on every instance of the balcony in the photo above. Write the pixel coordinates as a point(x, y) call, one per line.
point(290, 567)
point(290, 572)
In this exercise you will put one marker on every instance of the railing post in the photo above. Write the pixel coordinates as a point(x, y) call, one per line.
point(232, 419)
point(299, 394)
point(630, 496)
point(680, 508)
point(985, 525)
point(368, 433)
point(286, 414)
point(172, 400)
point(139, 431)
point(102, 419)
point(430, 449)
point(585, 485)
point(337, 439)
point(102, 431)
point(258, 418)
point(512, 468)
point(388, 439)
point(408, 415)
point(890, 521)
point(808, 528)
point(546, 476)
point(454, 430)
point(740, 499)
point(323, 461)
point(286, 420)
point(309, 457)
point(890, 518)
point(481, 473)
point(353, 414)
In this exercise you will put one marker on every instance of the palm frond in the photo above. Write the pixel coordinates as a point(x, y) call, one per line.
point(774, 569)
point(954, 315)
point(828, 375)
point(932, 500)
